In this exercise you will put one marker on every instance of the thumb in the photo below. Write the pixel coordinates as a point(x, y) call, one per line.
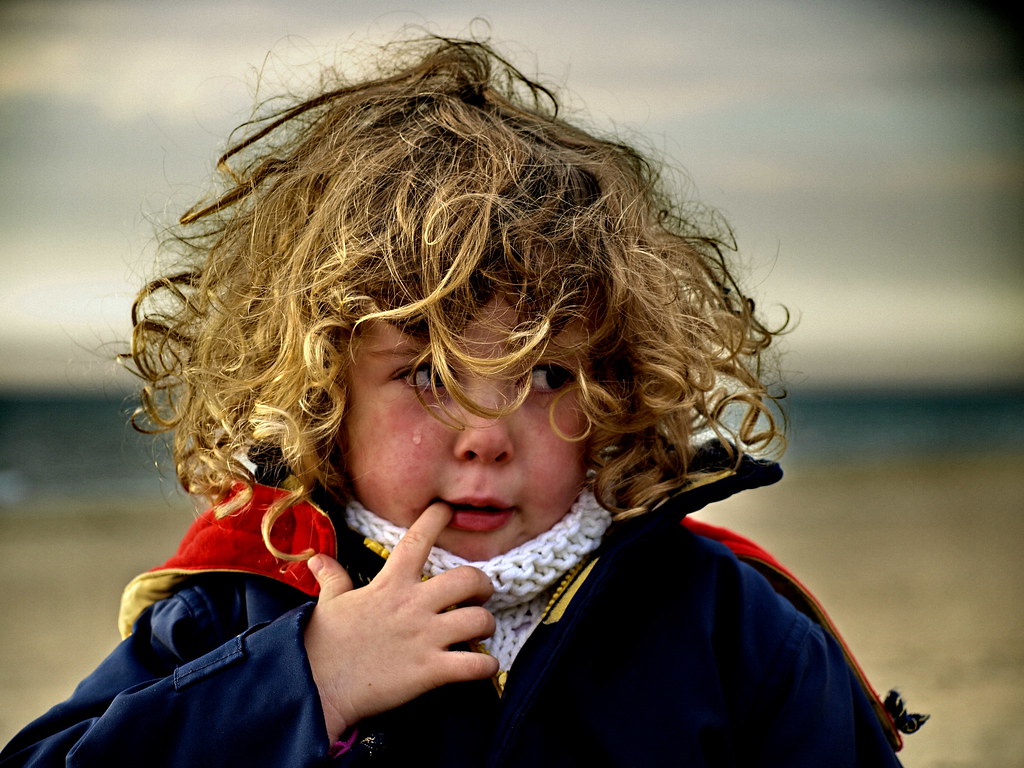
point(330, 575)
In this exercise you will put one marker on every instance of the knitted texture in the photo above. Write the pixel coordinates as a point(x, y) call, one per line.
point(523, 577)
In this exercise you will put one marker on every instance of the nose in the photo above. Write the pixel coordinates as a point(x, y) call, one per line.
point(488, 441)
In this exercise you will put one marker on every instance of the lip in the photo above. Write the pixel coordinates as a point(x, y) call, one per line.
point(475, 519)
point(479, 514)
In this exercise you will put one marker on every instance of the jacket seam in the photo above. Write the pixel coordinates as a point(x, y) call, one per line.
point(185, 674)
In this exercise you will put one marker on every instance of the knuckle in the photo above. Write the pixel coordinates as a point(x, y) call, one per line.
point(474, 578)
point(412, 538)
point(482, 621)
point(470, 665)
point(336, 580)
point(481, 665)
point(473, 623)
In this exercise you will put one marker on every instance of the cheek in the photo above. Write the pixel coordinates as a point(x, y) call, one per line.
point(569, 419)
point(567, 459)
point(389, 449)
point(388, 429)
point(559, 463)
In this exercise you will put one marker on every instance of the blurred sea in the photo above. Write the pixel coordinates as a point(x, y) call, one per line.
point(62, 452)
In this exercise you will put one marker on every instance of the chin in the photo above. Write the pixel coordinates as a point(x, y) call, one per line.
point(477, 551)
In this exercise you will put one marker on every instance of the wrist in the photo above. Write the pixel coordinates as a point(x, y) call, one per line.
point(338, 724)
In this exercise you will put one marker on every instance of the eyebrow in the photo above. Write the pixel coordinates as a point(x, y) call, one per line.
point(397, 350)
point(404, 346)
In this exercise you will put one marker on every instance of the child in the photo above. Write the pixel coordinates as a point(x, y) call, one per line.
point(451, 371)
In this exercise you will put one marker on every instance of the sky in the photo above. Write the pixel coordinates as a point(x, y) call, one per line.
point(868, 155)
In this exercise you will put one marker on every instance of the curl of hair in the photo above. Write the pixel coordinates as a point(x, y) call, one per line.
point(415, 197)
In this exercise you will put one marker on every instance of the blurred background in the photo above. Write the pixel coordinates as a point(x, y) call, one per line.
point(868, 155)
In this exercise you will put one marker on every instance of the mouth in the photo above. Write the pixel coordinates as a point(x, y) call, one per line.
point(479, 517)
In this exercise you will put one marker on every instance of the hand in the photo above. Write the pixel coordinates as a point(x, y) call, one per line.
point(377, 647)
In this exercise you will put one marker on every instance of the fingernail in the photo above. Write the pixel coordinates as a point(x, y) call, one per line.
point(315, 564)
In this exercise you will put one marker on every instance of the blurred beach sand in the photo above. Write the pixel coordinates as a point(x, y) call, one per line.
point(919, 565)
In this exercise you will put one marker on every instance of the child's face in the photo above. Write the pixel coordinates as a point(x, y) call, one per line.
point(508, 479)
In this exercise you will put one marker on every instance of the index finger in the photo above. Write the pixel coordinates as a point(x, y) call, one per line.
point(410, 553)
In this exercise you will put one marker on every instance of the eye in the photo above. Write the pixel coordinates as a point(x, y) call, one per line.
point(425, 377)
point(550, 377)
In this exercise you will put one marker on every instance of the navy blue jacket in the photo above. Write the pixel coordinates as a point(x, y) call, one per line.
point(666, 651)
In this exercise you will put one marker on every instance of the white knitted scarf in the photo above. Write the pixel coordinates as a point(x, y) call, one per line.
point(523, 578)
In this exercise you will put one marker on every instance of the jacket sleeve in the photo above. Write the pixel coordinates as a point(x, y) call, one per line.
point(197, 683)
point(813, 710)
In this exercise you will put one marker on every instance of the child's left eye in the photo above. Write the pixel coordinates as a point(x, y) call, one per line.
point(425, 377)
point(550, 377)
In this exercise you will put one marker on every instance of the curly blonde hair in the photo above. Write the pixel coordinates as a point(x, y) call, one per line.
point(415, 197)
